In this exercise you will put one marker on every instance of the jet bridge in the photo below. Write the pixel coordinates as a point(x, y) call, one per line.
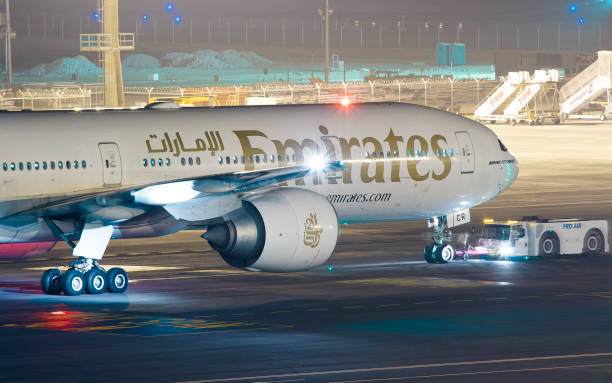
point(588, 85)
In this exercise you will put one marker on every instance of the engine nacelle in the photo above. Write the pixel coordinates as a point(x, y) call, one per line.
point(283, 230)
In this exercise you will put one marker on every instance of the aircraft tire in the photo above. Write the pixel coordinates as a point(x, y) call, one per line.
point(95, 281)
point(429, 253)
point(117, 280)
point(445, 254)
point(73, 282)
point(51, 282)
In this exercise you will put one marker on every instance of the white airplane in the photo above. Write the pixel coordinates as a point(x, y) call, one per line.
point(269, 184)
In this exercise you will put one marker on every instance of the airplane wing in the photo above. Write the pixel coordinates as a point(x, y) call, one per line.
point(236, 182)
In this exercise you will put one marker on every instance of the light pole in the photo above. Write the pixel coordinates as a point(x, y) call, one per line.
point(459, 29)
point(325, 15)
point(8, 35)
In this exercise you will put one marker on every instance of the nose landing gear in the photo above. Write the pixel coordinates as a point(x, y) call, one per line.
point(440, 250)
point(84, 275)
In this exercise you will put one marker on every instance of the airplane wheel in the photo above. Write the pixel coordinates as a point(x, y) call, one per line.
point(445, 254)
point(95, 281)
point(602, 117)
point(117, 280)
point(429, 253)
point(73, 282)
point(513, 122)
point(51, 282)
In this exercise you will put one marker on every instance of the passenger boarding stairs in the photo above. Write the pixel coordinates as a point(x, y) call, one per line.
point(502, 97)
point(586, 86)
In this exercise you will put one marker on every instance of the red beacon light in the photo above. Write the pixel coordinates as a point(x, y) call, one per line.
point(345, 101)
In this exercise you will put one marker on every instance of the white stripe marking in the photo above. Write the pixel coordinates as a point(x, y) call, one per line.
point(414, 366)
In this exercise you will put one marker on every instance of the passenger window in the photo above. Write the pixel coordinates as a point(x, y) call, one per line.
point(450, 152)
point(83, 164)
point(5, 166)
point(271, 158)
point(36, 165)
point(388, 154)
point(438, 153)
point(52, 165)
point(264, 158)
point(444, 153)
point(257, 158)
point(198, 161)
point(235, 160)
point(286, 158)
point(395, 154)
point(76, 164)
point(160, 162)
point(60, 165)
point(67, 164)
point(374, 155)
point(21, 166)
point(190, 161)
point(152, 162)
point(382, 155)
point(145, 163)
point(424, 153)
point(220, 160)
point(29, 165)
point(44, 165)
point(416, 153)
point(227, 160)
point(367, 155)
point(242, 159)
point(167, 161)
point(183, 162)
point(12, 166)
point(251, 159)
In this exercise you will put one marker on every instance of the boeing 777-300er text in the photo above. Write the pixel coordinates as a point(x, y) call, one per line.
point(268, 185)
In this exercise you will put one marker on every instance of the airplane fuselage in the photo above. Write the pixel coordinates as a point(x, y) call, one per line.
point(399, 162)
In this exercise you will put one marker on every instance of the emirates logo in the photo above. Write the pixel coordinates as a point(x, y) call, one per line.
point(312, 231)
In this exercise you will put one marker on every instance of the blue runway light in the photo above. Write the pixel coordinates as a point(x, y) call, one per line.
point(96, 16)
point(170, 7)
point(145, 17)
point(573, 8)
point(581, 20)
point(178, 19)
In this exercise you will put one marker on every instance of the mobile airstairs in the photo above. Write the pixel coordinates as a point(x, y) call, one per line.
point(585, 87)
point(522, 98)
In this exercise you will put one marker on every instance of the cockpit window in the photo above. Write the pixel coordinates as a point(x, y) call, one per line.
point(502, 146)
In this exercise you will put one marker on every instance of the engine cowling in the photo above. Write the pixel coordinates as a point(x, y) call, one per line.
point(283, 230)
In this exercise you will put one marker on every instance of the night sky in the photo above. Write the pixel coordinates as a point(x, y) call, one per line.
point(413, 10)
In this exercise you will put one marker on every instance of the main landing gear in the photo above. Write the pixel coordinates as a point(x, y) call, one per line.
point(85, 274)
point(439, 250)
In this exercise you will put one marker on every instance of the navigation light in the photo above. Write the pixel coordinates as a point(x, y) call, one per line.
point(345, 102)
point(573, 8)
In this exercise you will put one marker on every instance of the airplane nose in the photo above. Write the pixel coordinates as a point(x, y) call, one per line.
point(512, 170)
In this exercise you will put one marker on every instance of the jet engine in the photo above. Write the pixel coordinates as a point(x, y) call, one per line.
point(283, 230)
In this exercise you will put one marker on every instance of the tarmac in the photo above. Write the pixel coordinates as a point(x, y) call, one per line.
point(376, 312)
